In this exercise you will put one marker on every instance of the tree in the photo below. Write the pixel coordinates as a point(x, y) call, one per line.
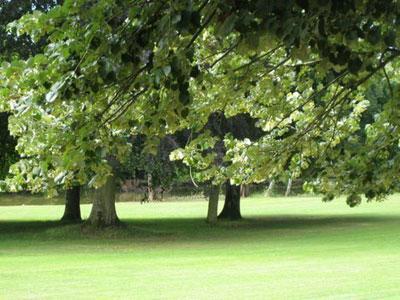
point(72, 212)
point(270, 190)
point(213, 197)
point(300, 129)
point(103, 211)
point(240, 127)
point(24, 47)
point(154, 68)
point(288, 187)
point(10, 47)
point(366, 162)
point(231, 208)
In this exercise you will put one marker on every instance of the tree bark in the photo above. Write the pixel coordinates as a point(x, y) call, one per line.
point(103, 210)
point(270, 189)
point(72, 212)
point(231, 208)
point(244, 190)
point(213, 197)
point(150, 189)
point(289, 187)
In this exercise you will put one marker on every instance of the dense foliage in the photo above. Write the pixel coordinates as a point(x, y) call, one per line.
point(112, 69)
point(15, 47)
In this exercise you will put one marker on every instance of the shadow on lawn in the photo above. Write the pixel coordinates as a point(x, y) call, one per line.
point(175, 229)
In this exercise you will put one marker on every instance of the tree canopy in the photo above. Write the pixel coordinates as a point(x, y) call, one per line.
point(111, 69)
point(15, 47)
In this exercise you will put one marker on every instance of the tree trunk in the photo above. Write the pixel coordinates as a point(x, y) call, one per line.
point(150, 190)
point(270, 189)
point(289, 187)
point(162, 190)
point(72, 212)
point(231, 208)
point(213, 204)
point(103, 210)
point(244, 190)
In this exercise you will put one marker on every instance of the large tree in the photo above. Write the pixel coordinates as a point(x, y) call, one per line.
point(240, 126)
point(12, 47)
point(113, 68)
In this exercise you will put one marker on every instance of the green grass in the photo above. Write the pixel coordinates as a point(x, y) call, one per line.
point(296, 248)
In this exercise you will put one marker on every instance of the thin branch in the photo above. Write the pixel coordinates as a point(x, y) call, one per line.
point(81, 60)
point(307, 63)
point(389, 83)
point(191, 177)
point(323, 115)
point(257, 58)
point(130, 79)
point(385, 73)
point(336, 121)
point(196, 35)
point(281, 63)
point(203, 5)
point(123, 108)
point(307, 100)
point(333, 103)
point(230, 49)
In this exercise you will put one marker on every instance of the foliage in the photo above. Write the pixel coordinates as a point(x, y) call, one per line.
point(163, 171)
point(116, 68)
point(367, 161)
point(13, 47)
point(12, 10)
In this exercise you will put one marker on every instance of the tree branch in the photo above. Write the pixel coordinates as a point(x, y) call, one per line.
point(230, 49)
point(123, 108)
point(196, 35)
point(254, 60)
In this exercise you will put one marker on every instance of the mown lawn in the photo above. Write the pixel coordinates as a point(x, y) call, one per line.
point(296, 248)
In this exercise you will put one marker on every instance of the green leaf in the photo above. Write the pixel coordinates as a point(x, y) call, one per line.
point(60, 177)
point(52, 95)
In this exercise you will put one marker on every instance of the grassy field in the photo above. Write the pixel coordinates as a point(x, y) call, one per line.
point(296, 248)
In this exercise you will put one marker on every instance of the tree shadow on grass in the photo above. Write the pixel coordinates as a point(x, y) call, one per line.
point(184, 229)
point(198, 227)
point(26, 227)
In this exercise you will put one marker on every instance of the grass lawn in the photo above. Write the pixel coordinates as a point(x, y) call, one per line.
point(295, 248)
